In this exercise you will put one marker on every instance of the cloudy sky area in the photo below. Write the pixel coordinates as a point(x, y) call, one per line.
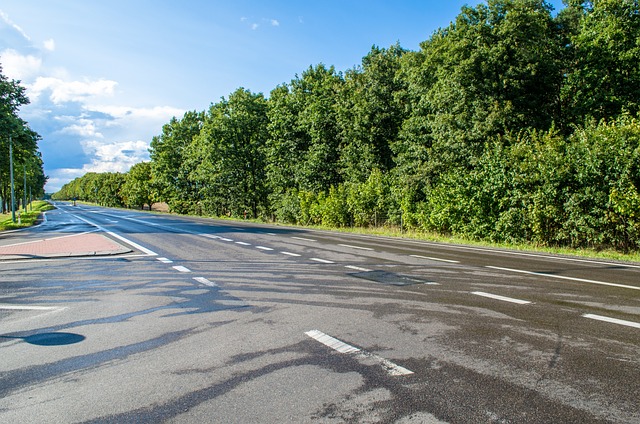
point(104, 76)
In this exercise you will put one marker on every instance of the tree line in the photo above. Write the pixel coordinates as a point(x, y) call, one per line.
point(512, 124)
point(19, 141)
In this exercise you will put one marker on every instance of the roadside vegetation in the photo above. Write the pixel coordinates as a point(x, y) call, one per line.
point(26, 218)
point(512, 126)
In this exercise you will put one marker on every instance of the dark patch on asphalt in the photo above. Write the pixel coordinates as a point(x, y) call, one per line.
point(390, 278)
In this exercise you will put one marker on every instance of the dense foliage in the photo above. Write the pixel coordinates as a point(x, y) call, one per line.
point(27, 160)
point(511, 124)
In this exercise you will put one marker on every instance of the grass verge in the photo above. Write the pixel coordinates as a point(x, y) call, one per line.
point(27, 219)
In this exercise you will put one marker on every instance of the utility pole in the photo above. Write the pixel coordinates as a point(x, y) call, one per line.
point(13, 191)
point(24, 191)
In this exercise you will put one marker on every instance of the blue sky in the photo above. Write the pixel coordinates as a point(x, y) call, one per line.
point(104, 76)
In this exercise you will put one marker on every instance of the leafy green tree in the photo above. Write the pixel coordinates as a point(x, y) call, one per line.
point(604, 79)
point(369, 118)
point(230, 157)
point(170, 164)
point(24, 143)
point(139, 188)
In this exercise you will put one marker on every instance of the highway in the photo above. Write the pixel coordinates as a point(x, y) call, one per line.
point(199, 320)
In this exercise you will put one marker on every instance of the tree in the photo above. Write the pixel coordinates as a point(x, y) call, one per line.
point(368, 116)
point(170, 165)
point(603, 80)
point(228, 155)
point(139, 188)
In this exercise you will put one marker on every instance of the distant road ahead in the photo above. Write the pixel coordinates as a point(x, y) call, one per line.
point(219, 321)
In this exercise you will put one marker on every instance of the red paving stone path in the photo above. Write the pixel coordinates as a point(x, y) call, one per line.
point(84, 244)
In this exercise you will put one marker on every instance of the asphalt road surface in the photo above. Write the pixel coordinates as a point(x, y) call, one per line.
point(191, 320)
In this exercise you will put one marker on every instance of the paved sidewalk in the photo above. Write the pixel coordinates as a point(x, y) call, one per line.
point(82, 244)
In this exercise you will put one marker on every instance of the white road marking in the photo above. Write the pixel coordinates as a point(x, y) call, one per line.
point(357, 268)
point(225, 239)
point(504, 298)
point(435, 259)
point(242, 243)
point(561, 277)
point(204, 281)
point(324, 261)
point(263, 248)
point(31, 308)
point(303, 239)
point(165, 260)
point(290, 254)
point(355, 247)
point(344, 348)
point(181, 268)
point(271, 234)
point(211, 236)
point(119, 237)
point(613, 320)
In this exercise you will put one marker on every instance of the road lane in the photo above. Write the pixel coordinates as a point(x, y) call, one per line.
point(164, 345)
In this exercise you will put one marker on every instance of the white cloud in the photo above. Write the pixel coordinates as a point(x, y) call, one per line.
point(49, 44)
point(159, 112)
point(9, 22)
point(67, 91)
point(19, 67)
point(254, 26)
point(117, 156)
point(85, 128)
point(275, 22)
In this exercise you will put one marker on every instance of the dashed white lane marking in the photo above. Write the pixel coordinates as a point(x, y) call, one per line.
point(271, 234)
point(291, 254)
point(357, 268)
point(303, 239)
point(211, 236)
point(503, 298)
point(562, 277)
point(31, 308)
point(355, 247)
point(435, 259)
point(165, 260)
point(324, 261)
point(243, 243)
point(342, 347)
point(613, 320)
point(204, 281)
point(263, 248)
point(225, 239)
point(181, 268)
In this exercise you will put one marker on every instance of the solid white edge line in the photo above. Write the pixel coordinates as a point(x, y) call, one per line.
point(324, 261)
point(612, 320)
point(562, 277)
point(119, 237)
point(342, 347)
point(181, 268)
point(357, 268)
point(435, 259)
point(504, 298)
point(204, 281)
point(355, 247)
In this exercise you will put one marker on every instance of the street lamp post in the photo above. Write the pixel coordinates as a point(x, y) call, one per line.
point(13, 191)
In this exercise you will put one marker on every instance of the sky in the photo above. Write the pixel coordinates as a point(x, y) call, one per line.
point(103, 77)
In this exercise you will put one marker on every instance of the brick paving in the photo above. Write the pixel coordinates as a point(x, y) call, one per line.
point(84, 244)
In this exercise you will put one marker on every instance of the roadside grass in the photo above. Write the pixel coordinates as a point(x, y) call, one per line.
point(604, 254)
point(27, 219)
